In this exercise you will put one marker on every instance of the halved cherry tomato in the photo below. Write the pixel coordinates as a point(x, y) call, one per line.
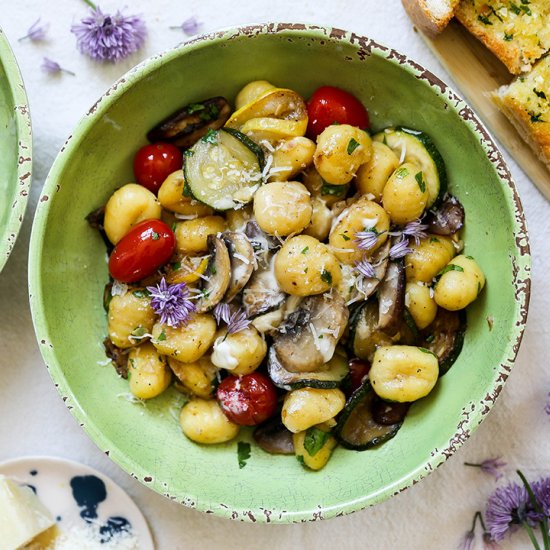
point(328, 105)
point(358, 369)
point(247, 400)
point(154, 163)
point(146, 247)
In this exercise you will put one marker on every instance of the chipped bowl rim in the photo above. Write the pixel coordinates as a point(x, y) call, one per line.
point(521, 283)
point(22, 115)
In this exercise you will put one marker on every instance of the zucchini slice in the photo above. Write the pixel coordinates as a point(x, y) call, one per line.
point(445, 337)
point(419, 149)
point(328, 376)
point(224, 169)
point(357, 429)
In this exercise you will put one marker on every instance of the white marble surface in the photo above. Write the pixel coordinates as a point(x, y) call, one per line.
point(34, 420)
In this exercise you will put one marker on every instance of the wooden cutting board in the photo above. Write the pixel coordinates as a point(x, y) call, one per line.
point(477, 72)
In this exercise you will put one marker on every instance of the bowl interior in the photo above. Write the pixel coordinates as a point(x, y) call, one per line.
point(15, 150)
point(68, 273)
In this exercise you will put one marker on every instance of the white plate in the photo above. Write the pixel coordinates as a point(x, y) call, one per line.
point(78, 495)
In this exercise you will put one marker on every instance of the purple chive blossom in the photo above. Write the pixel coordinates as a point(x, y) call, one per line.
point(237, 322)
point(106, 37)
point(365, 268)
point(222, 313)
point(36, 32)
point(172, 303)
point(547, 407)
point(190, 26)
point(53, 67)
point(507, 508)
point(367, 239)
point(415, 229)
point(467, 542)
point(490, 466)
point(400, 249)
point(541, 490)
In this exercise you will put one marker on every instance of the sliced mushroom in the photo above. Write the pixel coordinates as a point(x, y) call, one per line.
point(445, 337)
point(218, 275)
point(365, 334)
point(448, 218)
point(273, 437)
point(262, 293)
point(388, 414)
point(391, 298)
point(241, 256)
point(118, 356)
point(307, 339)
point(186, 126)
point(262, 243)
point(379, 260)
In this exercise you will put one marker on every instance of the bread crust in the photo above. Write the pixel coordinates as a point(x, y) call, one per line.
point(424, 19)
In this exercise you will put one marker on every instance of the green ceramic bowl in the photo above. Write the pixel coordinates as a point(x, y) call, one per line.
point(68, 272)
point(15, 150)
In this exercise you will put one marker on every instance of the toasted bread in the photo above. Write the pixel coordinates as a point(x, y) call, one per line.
point(526, 103)
point(430, 16)
point(516, 31)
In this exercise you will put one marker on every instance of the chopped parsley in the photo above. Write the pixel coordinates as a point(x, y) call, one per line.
point(540, 94)
point(469, 257)
point(210, 137)
point(175, 266)
point(189, 152)
point(508, 37)
point(334, 190)
point(194, 107)
point(243, 453)
point(306, 270)
point(305, 250)
point(515, 8)
point(401, 172)
point(326, 276)
point(484, 19)
point(141, 293)
point(300, 459)
point(450, 267)
point(424, 350)
point(420, 180)
point(162, 336)
point(352, 145)
point(209, 112)
point(186, 190)
point(345, 237)
point(139, 332)
point(430, 338)
point(155, 236)
point(536, 117)
point(434, 240)
point(495, 14)
point(314, 440)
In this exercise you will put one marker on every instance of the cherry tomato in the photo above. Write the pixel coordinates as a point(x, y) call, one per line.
point(146, 247)
point(247, 400)
point(358, 369)
point(154, 163)
point(328, 105)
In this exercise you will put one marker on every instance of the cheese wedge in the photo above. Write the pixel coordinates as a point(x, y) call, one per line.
point(22, 515)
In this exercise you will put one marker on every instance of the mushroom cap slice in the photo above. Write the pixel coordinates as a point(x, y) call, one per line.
point(391, 298)
point(379, 260)
point(308, 338)
point(241, 257)
point(218, 275)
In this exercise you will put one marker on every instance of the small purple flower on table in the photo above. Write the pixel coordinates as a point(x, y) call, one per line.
point(190, 26)
point(36, 32)
point(172, 303)
point(105, 37)
point(491, 466)
point(53, 67)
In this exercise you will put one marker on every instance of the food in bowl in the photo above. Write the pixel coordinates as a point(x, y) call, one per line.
point(291, 270)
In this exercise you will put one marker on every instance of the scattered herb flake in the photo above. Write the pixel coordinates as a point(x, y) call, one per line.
point(450, 267)
point(539, 93)
point(401, 172)
point(469, 257)
point(484, 19)
point(211, 137)
point(326, 276)
point(508, 37)
point(189, 152)
point(515, 8)
point(536, 117)
point(434, 240)
point(300, 459)
point(141, 293)
point(162, 336)
point(305, 250)
point(155, 236)
point(430, 338)
point(345, 237)
point(139, 332)
point(424, 350)
point(243, 453)
point(175, 266)
point(352, 145)
point(420, 180)
point(314, 440)
point(194, 107)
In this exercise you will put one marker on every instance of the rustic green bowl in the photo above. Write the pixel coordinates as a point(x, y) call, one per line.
point(15, 150)
point(68, 272)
